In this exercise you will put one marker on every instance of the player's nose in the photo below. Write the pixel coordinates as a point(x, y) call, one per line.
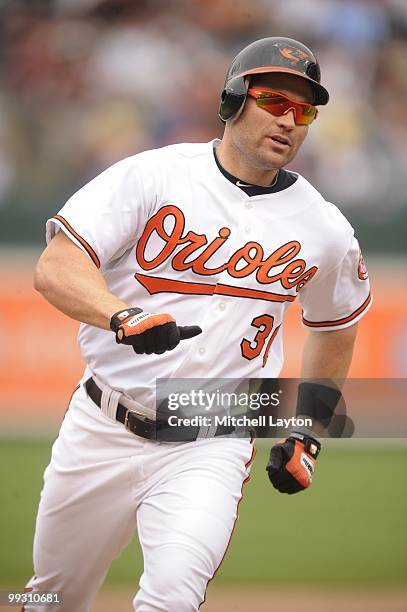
point(287, 120)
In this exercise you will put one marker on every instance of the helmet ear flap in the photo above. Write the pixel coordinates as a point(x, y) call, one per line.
point(232, 99)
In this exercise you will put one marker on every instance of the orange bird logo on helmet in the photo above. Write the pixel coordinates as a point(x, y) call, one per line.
point(295, 55)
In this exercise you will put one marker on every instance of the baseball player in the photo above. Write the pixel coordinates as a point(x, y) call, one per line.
point(181, 262)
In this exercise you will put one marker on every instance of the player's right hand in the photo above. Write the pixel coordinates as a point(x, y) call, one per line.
point(149, 333)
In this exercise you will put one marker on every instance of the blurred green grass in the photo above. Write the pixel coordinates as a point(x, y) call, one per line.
point(348, 530)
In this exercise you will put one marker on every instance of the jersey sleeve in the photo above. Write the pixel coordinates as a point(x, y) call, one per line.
point(104, 217)
point(341, 297)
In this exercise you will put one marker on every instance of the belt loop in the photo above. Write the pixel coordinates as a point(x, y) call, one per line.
point(207, 431)
point(109, 401)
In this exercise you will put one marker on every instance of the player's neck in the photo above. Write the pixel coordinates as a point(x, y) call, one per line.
point(230, 159)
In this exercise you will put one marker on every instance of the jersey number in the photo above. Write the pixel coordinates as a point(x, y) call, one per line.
point(264, 323)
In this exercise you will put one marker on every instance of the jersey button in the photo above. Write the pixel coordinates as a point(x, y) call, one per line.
point(201, 351)
point(222, 306)
point(248, 205)
point(248, 229)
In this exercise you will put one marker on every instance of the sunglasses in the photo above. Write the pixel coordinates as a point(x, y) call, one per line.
point(277, 104)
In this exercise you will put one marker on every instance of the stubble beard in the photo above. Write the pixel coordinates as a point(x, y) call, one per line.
point(256, 155)
point(267, 160)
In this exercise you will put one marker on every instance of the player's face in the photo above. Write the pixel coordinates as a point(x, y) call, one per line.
point(264, 140)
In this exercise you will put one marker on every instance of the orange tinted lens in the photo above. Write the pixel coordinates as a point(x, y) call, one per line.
point(279, 105)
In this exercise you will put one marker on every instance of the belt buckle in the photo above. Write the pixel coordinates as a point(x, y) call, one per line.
point(126, 419)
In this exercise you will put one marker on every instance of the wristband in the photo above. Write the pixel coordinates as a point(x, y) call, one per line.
point(317, 402)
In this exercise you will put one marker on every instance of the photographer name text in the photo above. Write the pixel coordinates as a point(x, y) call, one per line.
point(238, 421)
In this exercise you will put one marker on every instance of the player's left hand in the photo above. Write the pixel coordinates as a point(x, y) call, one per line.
point(292, 462)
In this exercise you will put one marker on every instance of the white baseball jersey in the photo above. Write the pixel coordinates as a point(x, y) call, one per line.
point(170, 233)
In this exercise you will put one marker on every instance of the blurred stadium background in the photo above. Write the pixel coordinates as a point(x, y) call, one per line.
point(85, 83)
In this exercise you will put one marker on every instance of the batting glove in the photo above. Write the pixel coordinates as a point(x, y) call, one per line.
point(292, 461)
point(149, 333)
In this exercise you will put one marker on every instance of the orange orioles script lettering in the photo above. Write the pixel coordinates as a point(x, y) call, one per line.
point(246, 260)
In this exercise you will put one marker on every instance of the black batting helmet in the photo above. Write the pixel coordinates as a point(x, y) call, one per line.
point(274, 54)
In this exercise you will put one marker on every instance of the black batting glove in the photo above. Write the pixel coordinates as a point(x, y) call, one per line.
point(292, 462)
point(149, 333)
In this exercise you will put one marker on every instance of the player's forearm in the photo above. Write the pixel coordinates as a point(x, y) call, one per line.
point(70, 282)
point(325, 364)
point(328, 355)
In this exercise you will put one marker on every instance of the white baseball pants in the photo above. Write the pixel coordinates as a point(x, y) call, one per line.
point(104, 482)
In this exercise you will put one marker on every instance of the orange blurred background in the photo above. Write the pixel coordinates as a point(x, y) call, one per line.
point(41, 362)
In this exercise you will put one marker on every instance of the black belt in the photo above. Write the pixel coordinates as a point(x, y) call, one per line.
point(147, 428)
point(137, 424)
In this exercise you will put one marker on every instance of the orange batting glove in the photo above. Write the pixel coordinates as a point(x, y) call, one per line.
point(292, 462)
point(149, 333)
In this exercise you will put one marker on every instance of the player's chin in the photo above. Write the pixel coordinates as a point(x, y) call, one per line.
point(276, 155)
point(279, 160)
